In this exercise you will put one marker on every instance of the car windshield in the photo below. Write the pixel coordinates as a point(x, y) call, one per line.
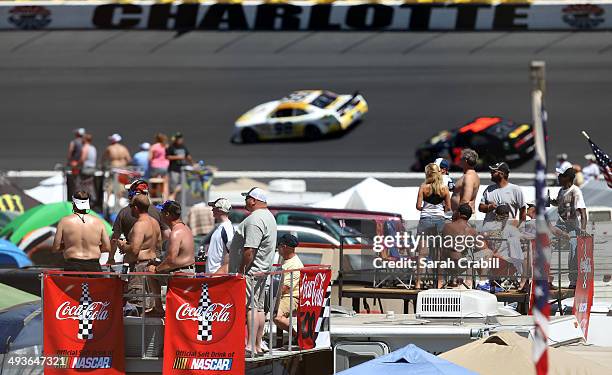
point(324, 99)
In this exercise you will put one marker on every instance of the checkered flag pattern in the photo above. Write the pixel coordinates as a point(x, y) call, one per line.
point(85, 325)
point(323, 338)
point(204, 326)
point(323, 320)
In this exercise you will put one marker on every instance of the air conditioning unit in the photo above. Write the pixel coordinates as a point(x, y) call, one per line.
point(452, 303)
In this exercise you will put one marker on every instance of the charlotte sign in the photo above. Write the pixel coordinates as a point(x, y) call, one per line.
point(205, 319)
point(312, 16)
point(313, 308)
point(83, 325)
point(583, 297)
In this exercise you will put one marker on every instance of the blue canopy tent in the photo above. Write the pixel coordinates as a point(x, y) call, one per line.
point(408, 360)
point(12, 256)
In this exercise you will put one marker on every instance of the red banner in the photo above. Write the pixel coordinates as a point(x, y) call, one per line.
point(83, 325)
point(205, 320)
point(583, 297)
point(313, 308)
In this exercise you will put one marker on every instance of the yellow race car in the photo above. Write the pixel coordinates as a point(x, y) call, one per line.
point(307, 114)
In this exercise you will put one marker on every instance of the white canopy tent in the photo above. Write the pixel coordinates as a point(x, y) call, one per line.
point(373, 195)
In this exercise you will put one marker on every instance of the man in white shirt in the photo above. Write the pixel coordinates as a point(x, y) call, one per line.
point(591, 171)
point(286, 247)
point(572, 216)
point(218, 250)
point(502, 193)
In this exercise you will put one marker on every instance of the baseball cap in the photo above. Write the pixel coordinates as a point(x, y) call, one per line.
point(145, 146)
point(289, 240)
point(442, 163)
point(590, 157)
point(256, 193)
point(115, 138)
point(177, 135)
point(530, 203)
point(81, 204)
point(562, 156)
point(80, 131)
point(566, 170)
point(171, 207)
point(501, 166)
point(222, 203)
point(137, 187)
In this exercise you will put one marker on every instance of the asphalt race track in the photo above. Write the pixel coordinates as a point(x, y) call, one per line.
point(139, 82)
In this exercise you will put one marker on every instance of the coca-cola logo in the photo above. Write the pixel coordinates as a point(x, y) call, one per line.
point(312, 291)
point(217, 312)
point(93, 311)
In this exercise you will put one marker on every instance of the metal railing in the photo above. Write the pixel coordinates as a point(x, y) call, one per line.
point(146, 294)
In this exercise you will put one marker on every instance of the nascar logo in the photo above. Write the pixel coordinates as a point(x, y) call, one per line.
point(213, 364)
point(91, 362)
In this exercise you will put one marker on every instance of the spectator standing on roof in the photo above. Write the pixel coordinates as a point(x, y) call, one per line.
point(116, 155)
point(502, 193)
point(179, 156)
point(75, 149)
point(158, 163)
point(466, 187)
point(446, 179)
point(591, 170)
point(286, 248)
point(572, 216)
point(125, 220)
point(433, 200)
point(562, 162)
point(89, 157)
point(252, 249)
point(217, 260)
point(81, 237)
point(141, 159)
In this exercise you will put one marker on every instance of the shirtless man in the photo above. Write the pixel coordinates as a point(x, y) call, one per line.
point(81, 237)
point(180, 255)
point(466, 187)
point(116, 155)
point(143, 241)
point(460, 227)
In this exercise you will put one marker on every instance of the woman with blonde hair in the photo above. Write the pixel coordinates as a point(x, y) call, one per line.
point(433, 200)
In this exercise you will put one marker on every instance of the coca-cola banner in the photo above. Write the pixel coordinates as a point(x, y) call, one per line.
point(83, 325)
point(313, 308)
point(205, 320)
point(583, 297)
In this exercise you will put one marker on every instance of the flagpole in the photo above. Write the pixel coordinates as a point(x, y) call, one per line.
point(586, 135)
point(540, 308)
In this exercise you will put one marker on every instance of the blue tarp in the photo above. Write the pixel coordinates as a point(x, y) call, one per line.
point(408, 360)
point(12, 256)
point(21, 326)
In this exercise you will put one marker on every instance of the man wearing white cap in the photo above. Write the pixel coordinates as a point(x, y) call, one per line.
point(81, 237)
point(591, 171)
point(116, 155)
point(217, 260)
point(562, 162)
point(252, 249)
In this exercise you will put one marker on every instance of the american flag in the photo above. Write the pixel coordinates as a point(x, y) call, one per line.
point(540, 309)
point(603, 161)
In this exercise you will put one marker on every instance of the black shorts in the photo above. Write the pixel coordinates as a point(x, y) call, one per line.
point(84, 265)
